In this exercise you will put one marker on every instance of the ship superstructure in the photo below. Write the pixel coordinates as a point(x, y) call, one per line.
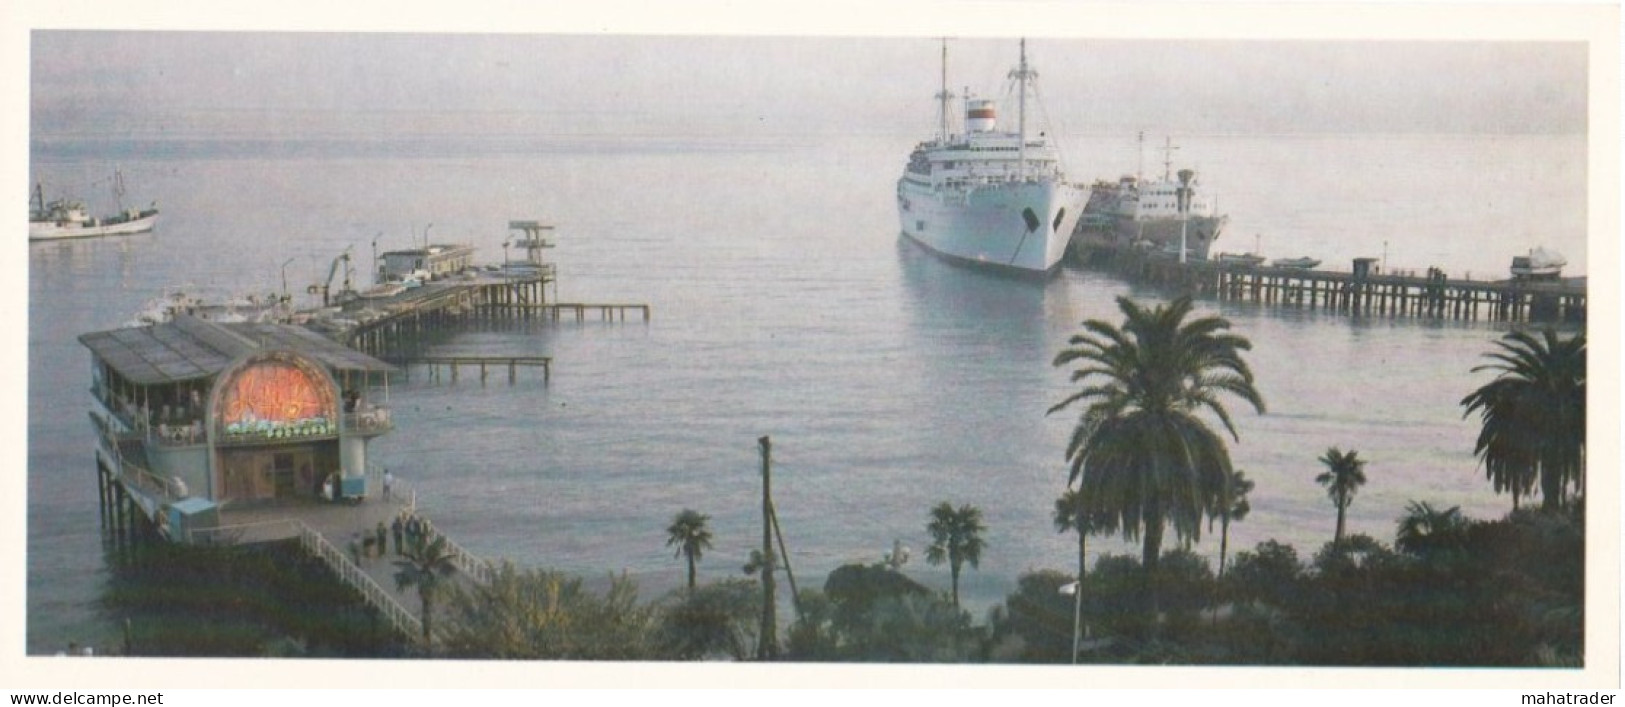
point(990, 196)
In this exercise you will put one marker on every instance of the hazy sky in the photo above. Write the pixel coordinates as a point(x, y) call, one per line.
point(147, 84)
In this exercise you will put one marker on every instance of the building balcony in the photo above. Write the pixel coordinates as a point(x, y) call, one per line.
point(372, 420)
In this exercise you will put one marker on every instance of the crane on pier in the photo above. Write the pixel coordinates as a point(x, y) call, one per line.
point(332, 271)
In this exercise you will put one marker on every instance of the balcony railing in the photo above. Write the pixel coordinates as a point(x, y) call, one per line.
point(370, 421)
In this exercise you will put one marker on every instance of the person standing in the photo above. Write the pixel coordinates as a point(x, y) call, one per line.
point(383, 539)
point(397, 528)
point(389, 483)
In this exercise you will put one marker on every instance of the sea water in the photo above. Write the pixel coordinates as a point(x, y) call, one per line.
point(785, 305)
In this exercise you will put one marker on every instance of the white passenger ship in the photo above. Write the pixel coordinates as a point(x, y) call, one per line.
point(990, 197)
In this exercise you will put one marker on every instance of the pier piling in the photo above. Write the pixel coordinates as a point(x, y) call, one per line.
point(1433, 295)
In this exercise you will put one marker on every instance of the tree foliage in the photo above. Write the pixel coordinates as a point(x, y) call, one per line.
point(690, 533)
point(716, 620)
point(543, 614)
point(425, 565)
point(956, 538)
point(1140, 452)
point(1533, 416)
point(1344, 475)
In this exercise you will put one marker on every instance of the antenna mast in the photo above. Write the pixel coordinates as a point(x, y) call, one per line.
point(943, 97)
point(1022, 75)
point(1139, 174)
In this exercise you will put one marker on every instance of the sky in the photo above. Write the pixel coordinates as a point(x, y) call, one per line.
point(152, 84)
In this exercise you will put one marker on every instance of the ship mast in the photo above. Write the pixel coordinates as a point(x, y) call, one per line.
point(1022, 75)
point(943, 97)
point(1139, 173)
point(1168, 158)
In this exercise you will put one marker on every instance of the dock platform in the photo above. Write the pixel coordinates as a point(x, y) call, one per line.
point(379, 325)
point(1432, 294)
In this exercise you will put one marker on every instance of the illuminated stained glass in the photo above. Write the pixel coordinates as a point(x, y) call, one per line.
point(276, 398)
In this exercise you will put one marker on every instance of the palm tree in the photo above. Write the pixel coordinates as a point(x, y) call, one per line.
point(1139, 452)
point(1344, 474)
point(1533, 416)
point(1232, 505)
point(956, 537)
point(425, 565)
point(1426, 531)
point(1072, 515)
point(688, 532)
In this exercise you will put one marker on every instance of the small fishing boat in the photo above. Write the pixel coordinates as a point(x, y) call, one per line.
point(65, 218)
point(1246, 260)
point(1304, 263)
point(1538, 265)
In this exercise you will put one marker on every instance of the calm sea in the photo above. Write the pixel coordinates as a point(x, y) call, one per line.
point(785, 305)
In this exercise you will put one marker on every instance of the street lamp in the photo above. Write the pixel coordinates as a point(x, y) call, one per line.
point(285, 279)
point(1184, 204)
point(1075, 590)
point(426, 235)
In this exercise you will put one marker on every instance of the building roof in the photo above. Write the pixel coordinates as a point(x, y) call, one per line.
point(189, 348)
point(444, 250)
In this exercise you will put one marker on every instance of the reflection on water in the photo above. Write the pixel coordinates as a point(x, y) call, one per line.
point(889, 379)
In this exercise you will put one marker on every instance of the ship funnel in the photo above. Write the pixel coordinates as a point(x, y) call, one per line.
point(980, 116)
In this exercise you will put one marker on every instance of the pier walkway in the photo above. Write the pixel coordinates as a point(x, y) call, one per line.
point(1363, 291)
point(335, 532)
point(484, 363)
point(378, 325)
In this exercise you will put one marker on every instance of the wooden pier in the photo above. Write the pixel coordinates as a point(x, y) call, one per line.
point(379, 326)
point(133, 502)
point(1432, 295)
point(604, 312)
point(484, 363)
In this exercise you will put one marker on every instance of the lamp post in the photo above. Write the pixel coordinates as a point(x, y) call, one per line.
point(1076, 590)
point(285, 279)
point(426, 235)
point(1184, 196)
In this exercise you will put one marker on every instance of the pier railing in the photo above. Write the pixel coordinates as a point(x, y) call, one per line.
point(373, 421)
point(1434, 295)
point(473, 566)
point(135, 475)
point(402, 620)
point(316, 545)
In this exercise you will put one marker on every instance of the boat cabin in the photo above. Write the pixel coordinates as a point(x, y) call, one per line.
point(239, 413)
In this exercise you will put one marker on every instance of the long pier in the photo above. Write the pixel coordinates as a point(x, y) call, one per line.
point(1430, 295)
point(378, 325)
point(484, 363)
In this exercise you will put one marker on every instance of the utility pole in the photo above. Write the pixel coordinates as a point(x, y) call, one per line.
point(768, 644)
point(795, 594)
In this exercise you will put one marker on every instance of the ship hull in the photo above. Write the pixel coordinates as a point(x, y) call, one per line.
point(1155, 234)
point(1021, 226)
point(52, 231)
